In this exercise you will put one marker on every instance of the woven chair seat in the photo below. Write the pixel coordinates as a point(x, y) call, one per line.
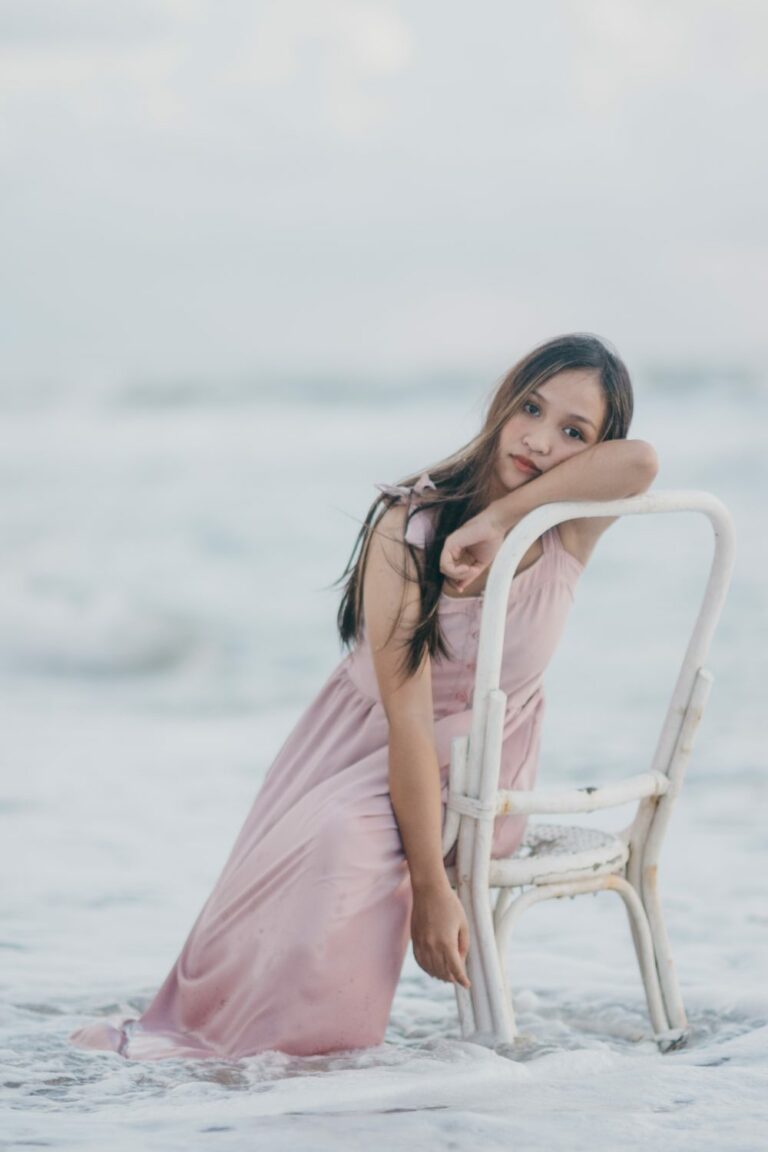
point(551, 853)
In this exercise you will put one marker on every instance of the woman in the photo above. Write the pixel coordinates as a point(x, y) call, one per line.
point(300, 945)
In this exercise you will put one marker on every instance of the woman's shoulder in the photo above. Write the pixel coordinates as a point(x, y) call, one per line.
point(411, 511)
point(416, 525)
point(391, 522)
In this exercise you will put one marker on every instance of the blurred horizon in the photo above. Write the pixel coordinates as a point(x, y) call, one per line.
point(265, 385)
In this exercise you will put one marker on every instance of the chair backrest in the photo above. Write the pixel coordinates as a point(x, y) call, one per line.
point(481, 771)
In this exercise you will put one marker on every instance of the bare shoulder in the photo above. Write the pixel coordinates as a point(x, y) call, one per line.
point(385, 549)
point(633, 474)
point(389, 586)
point(392, 608)
point(391, 523)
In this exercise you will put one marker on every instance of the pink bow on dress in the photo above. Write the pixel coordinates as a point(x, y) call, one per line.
point(420, 528)
point(403, 491)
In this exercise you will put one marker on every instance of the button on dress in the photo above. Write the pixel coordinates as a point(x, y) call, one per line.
point(300, 945)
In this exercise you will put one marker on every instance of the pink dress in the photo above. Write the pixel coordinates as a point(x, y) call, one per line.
point(300, 945)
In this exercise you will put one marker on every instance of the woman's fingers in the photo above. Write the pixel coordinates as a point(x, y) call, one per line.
point(448, 966)
point(440, 946)
point(456, 556)
point(460, 562)
point(456, 970)
point(459, 976)
point(462, 977)
point(463, 940)
point(460, 569)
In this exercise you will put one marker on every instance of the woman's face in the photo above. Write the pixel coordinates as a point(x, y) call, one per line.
point(560, 418)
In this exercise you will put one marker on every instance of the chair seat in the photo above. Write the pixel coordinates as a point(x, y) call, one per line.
point(551, 853)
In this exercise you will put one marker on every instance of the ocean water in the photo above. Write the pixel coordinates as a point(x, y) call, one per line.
point(167, 611)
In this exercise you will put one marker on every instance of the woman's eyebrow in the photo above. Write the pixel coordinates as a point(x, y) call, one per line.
point(570, 416)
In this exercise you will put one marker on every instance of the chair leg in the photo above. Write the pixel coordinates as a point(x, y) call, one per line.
point(503, 902)
point(492, 995)
point(673, 1000)
point(636, 941)
point(483, 1013)
point(465, 1006)
point(466, 999)
point(465, 1011)
point(472, 1004)
point(508, 911)
point(469, 1000)
point(666, 1036)
point(666, 1033)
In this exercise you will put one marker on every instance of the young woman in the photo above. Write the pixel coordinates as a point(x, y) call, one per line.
point(339, 863)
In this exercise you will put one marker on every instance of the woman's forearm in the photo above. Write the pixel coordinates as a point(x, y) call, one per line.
point(609, 470)
point(414, 785)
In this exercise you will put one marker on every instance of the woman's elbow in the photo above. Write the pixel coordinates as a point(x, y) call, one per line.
point(645, 464)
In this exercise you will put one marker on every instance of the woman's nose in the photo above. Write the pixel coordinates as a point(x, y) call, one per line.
point(536, 443)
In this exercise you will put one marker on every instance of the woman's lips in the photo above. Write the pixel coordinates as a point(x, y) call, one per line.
point(524, 466)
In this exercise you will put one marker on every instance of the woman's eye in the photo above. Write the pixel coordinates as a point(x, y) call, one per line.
point(530, 404)
point(571, 428)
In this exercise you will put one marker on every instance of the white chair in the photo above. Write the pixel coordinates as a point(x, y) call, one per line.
point(562, 860)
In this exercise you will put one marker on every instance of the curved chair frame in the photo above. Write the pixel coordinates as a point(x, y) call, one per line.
point(626, 863)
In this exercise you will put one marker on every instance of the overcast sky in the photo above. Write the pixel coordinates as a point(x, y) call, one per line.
point(231, 186)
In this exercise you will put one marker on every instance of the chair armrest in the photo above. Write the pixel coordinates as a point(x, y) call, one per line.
point(519, 803)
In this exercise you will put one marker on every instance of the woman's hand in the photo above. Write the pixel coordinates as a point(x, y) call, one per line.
point(471, 549)
point(440, 933)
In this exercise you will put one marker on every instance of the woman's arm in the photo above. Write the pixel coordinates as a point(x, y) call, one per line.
point(609, 470)
point(439, 928)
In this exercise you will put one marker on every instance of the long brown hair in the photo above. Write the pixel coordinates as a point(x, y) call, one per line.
point(463, 480)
